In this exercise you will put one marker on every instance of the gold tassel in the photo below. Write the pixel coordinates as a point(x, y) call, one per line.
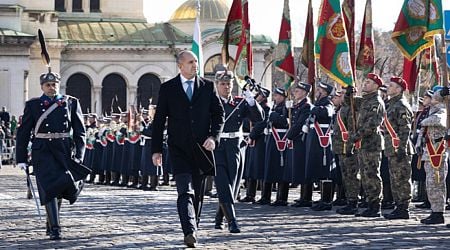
point(436, 176)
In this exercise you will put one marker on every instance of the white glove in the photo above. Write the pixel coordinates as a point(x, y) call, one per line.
point(249, 98)
point(305, 129)
point(77, 160)
point(414, 107)
point(289, 104)
point(22, 166)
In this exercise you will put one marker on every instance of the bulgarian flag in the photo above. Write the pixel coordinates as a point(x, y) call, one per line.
point(197, 43)
point(366, 55)
point(284, 59)
point(331, 44)
point(416, 25)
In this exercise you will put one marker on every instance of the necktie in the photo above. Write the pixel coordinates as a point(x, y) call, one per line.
point(189, 89)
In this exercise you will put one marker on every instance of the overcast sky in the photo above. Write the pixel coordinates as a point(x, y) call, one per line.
point(262, 21)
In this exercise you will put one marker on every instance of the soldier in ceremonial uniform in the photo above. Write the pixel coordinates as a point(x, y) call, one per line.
point(275, 164)
point(257, 147)
point(228, 154)
point(300, 114)
point(370, 116)
point(398, 147)
point(92, 130)
point(417, 167)
point(149, 171)
point(435, 155)
point(49, 120)
point(318, 145)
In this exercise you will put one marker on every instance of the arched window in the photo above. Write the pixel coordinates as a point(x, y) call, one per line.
point(95, 6)
point(77, 5)
point(79, 86)
point(114, 92)
point(59, 5)
point(148, 89)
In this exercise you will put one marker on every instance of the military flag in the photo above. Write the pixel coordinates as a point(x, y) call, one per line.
point(410, 73)
point(284, 59)
point(197, 42)
point(331, 44)
point(365, 60)
point(416, 25)
point(348, 11)
point(237, 32)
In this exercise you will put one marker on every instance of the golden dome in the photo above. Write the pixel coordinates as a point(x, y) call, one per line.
point(211, 10)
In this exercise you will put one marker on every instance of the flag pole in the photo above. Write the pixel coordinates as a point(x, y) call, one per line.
point(445, 79)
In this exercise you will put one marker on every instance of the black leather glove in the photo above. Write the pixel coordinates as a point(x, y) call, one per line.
point(445, 91)
point(401, 154)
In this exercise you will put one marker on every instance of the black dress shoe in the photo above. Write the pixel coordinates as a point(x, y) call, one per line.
point(302, 203)
point(397, 214)
point(434, 218)
point(262, 202)
point(233, 227)
point(350, 209)
point(340, 202)
point(190, 240)
point(424, 205)
point(322, 206)
point(279, 203)
point(247, 199)
point(55, 234)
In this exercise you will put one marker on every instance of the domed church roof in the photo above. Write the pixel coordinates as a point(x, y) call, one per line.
point(210, 10)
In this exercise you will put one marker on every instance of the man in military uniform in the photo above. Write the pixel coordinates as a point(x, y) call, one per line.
point(417, 168)
point(90, 142)
point(257, 146)
point(370, 116)
point(50, 119)
point(318, 145)
point(397, 122)
point(300, 114)
point(435, 155)
point(228, 155)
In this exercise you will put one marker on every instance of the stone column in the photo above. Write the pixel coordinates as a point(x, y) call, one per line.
point(86, 6)
point(68, 4)
point(132, 91)
point(97, 103)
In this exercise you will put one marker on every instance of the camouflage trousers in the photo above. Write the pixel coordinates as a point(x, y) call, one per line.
point(369, 162)
point(349, 169)
point(436, 186)
point(400, 174)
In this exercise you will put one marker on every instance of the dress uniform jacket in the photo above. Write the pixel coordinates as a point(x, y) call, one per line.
point(275, 164)
point(50, 157)
point(300, 113)
point(147, 166)
point(318, 158)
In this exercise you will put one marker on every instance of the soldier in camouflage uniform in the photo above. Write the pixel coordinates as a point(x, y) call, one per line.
point(435, 157)
point(371, 110)
point(397, 124)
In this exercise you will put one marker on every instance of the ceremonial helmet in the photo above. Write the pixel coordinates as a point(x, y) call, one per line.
point(222, 73)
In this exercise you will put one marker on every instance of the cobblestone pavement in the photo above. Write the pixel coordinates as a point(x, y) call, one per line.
point(123, 218)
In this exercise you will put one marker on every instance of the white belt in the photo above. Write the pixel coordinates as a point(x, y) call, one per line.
point(231, 135)
point(320, 125)
point(146, 137)
point(280, 130)
point(246, 134)
point(52, 135)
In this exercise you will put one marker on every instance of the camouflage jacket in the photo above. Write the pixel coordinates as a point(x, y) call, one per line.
point(370, 116)
point(436, 126)
point(400, 116)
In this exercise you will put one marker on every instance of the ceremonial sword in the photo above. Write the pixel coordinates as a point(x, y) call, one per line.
point(30, 185)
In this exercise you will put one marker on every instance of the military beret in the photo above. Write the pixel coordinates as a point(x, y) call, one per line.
point(400, 81)
point(375, 78)
point(327, 87)
point(280, 91)
point(305, 86)
point(49, 77)
point(437, 96)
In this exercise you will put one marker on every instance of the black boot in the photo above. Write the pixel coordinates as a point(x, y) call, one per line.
point(400, 212)
point(350, 209)
point(228, 211)
point(53, 220)
point(91, 178)
point(165, 179)
point(218, 221)
point(134, 182)
point(266, 193)
point(144, 185)
point(154, 183)
point(434, 218)
point(326, 194)
point(282, 194)
point(251, 191)
point(108, 178)
point(125, 180)
point(101, 179)
point(425, 205)
point(305, 200)
point(372, 211)
point(115, 179)
point(341, 200)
